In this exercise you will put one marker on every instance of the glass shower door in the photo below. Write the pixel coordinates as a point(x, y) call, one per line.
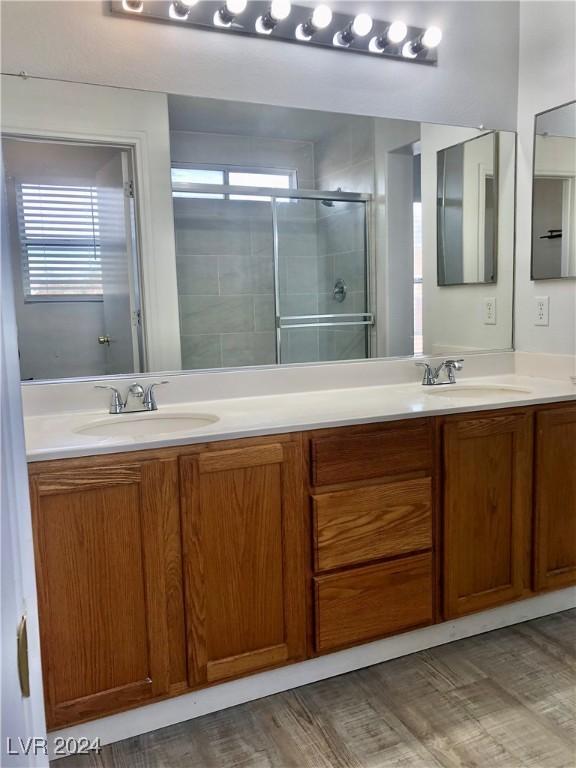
point(321, 265)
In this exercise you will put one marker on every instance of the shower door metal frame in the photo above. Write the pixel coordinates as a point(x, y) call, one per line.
point(276, 194)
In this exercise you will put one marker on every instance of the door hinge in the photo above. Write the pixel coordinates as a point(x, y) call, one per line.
point(22, 657)
point(129, 189)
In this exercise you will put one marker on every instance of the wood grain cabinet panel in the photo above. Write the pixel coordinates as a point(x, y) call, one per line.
point(348, 455)
point(555, 496)
point(362, 604)
point(487, 500)
point(245, 556)
point(372, 523)
point(104, 586)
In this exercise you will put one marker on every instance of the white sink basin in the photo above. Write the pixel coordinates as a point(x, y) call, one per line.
point(147, 424)
point(476, 391)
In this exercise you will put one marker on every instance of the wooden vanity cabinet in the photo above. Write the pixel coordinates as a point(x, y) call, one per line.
point(555, 498)
point(244, 555)
point(107, 543)
point(167, 570)
point(487, 481)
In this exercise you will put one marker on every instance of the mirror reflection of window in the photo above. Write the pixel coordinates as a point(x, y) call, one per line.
point(183, 176)
point(554, 195)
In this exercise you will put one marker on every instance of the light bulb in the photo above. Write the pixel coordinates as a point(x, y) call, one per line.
point(179, 9)
point(321, 17)
point(397, 31)
point(134, 6)
point(407, 51)
point(431, 37)
point(362, 25)
point(236, 6)
point(280, 9)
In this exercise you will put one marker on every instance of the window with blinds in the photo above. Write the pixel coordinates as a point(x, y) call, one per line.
point(60, 242)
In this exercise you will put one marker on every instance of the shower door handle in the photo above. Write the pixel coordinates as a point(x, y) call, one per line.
point(326, 321)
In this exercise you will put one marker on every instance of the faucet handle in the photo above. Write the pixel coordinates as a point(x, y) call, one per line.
point(149, 398)
point(116, 404)
point(452, 366)
point(428, 377)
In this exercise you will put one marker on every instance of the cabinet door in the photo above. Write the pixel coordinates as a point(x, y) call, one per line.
point(245, 555)
point(555, 467)
point(487, 499)
point(99, 538)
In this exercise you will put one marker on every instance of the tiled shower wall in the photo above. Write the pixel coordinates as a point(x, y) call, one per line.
point(344, 159)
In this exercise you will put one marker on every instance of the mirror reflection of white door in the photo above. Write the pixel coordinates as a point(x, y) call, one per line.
point(118, 259)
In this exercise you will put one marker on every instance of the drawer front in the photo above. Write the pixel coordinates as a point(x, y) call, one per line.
point(366, 603)
point(390, 450)
point(371, 523)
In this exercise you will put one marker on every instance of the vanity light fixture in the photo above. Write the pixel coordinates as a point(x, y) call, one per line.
point(278, 11)
point(179, 9)
point(225, 15)
point(320, 19)
point(395, 33)
point(313, 23)
point(133, 6)
point(359, 27)
point(428, 40)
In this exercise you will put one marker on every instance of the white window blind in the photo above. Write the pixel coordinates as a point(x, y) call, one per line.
point(60, 241)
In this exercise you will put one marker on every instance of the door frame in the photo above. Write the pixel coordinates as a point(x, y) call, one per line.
point(19, 595)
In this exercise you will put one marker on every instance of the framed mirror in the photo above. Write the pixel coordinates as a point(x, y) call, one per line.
point(467, 211)
point(162, 232)
point(554, 194)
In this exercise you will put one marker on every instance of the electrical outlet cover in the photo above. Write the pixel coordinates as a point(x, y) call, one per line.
point(490, 310)
point(542, 310)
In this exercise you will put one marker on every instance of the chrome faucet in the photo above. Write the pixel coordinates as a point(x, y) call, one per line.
point(137, 398)
point(432, 375)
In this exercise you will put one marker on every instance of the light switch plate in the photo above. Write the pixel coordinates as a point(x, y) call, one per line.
point(542, 310)
point(490, 310)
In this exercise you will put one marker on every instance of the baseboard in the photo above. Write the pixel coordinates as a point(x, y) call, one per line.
point(192, 705)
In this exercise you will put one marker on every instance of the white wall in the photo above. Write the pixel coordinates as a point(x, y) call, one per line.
point(475, 81)
point(546, 79)
point(250, 151)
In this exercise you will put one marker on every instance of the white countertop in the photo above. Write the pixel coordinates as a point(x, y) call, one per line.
point(55, 436)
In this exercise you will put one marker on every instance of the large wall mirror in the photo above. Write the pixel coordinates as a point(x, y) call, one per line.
point(554, 194)
point(154, 232)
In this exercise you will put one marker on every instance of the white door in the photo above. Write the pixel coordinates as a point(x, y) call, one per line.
point(23, 728)
point(119, 279)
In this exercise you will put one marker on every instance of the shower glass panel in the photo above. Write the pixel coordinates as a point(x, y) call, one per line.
point(265, 279)
point(322, 280)
point(225, 272)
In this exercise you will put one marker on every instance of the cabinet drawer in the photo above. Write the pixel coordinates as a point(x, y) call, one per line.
point(380, 452)
point(366, 603)
point(371, 523)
